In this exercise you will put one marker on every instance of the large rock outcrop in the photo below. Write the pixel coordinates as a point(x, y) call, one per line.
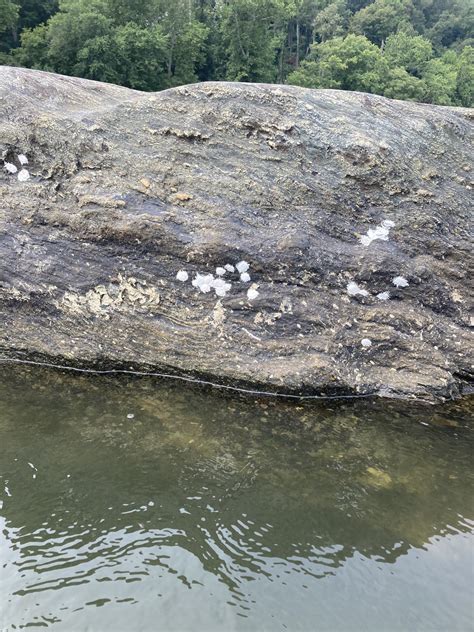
point(327, 195)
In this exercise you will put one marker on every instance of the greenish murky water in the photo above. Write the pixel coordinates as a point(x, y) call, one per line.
point(137, 505)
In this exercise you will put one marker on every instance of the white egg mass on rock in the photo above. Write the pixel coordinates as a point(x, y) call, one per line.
point(10, 167)
point(400, 281)
point(182, 275)
point(221, 287)
point(204, 282)
point(353, 289)
point(242, 266)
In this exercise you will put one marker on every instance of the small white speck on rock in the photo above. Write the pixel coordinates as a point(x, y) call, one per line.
point(383, 296)
point(23, 175)
point(10, 167)
point(252, 294)
point(23, 159)
point(203, 282)
point(400, 281)
point(245, 277)
point(130, 416)
point(379, 232)
point(229, 267)
point(182, 275)
point(353, 289)
point(220, 271)
point(221, 287)
point(366, 342)
point(242, 266)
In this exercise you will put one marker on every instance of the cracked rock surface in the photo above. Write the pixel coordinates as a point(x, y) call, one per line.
point(124, 189)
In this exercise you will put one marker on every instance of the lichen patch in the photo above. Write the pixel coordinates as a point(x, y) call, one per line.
point(100, 300)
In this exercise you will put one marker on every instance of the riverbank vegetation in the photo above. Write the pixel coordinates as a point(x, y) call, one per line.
point(421, 50)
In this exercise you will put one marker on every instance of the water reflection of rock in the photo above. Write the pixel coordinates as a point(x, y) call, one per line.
point(238, 482)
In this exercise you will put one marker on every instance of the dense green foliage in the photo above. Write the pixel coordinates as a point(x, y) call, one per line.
point(420, 50)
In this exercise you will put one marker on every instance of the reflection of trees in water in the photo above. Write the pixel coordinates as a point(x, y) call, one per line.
point(242, 484)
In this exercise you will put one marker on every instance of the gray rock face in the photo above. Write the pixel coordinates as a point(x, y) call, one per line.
point(327, 195)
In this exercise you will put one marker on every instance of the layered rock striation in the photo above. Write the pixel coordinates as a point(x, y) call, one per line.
point(299, 241)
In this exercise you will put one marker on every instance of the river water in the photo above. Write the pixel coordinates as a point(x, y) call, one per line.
point(136, 505)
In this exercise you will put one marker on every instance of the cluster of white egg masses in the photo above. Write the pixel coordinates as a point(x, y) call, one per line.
point(382, 231)
point(207, 282)
point(353, 288)
point(22, 173)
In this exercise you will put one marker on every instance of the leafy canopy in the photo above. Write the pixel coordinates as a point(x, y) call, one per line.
point(406, 49)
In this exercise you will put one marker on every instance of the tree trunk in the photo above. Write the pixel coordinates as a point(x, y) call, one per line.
point(297, 43)
point(15, 34)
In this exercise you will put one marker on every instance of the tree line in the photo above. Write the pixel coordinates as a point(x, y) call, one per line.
point(421, 50)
